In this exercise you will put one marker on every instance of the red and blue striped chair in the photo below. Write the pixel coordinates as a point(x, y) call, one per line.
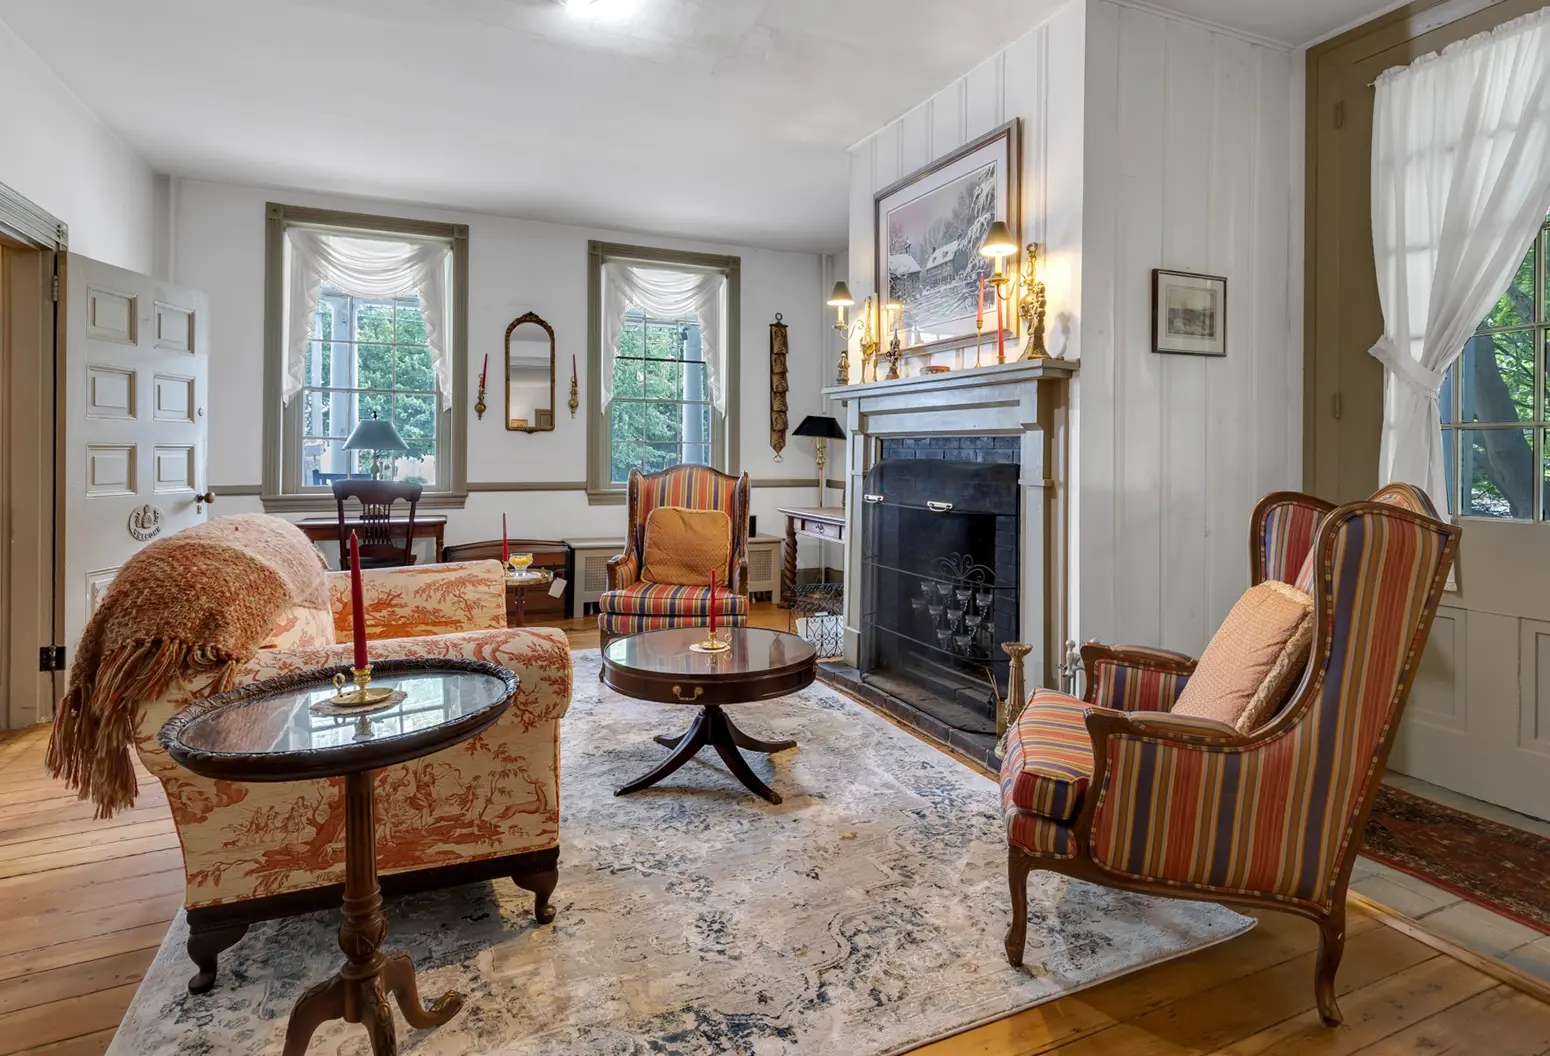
point(630, 604)
point(1132, 797)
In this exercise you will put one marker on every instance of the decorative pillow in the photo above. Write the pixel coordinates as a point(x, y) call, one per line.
point(684, 547)
point(1255, 658)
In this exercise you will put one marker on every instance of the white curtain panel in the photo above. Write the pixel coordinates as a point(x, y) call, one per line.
point(666, 294)
point(1460, 185)
point(364, 267)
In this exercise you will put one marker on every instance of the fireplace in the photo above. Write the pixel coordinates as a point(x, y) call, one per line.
point(956, 496)
point(939, 576)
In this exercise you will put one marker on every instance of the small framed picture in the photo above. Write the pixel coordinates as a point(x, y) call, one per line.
point(1189, 313)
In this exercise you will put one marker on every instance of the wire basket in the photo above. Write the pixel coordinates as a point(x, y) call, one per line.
point(816, 617)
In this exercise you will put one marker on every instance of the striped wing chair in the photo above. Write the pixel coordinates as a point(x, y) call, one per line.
point(630, 604)
point(1115, 791)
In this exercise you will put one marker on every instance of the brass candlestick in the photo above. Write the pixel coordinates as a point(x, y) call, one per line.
point(363, 693)
point(712, 644)
point(1031, 306)
point(895, 356)
point(479, 404)
point(575, 399)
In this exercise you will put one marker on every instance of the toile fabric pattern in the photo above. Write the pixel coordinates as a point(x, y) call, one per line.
point(195, 605)
point(630, 605)
point(861, 917)
point(494, 795)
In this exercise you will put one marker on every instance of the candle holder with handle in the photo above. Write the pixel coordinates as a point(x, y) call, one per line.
point(364, 692)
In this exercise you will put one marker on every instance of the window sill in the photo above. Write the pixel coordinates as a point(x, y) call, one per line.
point(606, 496)
point(443, 500)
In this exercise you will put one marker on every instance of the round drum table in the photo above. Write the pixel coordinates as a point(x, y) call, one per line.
point(660, 666)
point(270, 731)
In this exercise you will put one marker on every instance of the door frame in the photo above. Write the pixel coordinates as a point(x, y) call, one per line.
point(33, 245)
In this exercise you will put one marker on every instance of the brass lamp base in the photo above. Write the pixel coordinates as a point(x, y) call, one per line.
point(364, 693)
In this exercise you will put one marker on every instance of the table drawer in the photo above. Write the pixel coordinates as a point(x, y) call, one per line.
point(826, 529)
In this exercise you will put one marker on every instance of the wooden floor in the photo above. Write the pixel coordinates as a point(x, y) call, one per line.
point(84, 905)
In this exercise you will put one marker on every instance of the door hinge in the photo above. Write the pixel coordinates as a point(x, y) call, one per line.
point(1340, 114)
point(1337, 405)
point(51, 658)
point(56, 289)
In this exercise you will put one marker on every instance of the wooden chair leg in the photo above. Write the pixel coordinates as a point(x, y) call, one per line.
point(1331, 947)
point(1018, 865)
point(204, 946)
point(542, 886)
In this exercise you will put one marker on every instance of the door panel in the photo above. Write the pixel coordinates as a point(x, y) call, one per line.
point(137, 381)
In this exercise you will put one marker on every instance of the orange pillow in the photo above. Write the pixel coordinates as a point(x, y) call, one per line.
point(1254, 660)
point(684, 547)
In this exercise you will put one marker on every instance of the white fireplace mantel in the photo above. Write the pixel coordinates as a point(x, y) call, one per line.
point(1029, 399)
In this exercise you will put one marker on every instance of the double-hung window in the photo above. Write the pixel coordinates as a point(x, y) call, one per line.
point(1495, 403)
point(663, 344)
point(351, 336)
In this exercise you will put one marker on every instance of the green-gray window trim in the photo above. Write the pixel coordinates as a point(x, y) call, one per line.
point(281, 491)
point(725, 455)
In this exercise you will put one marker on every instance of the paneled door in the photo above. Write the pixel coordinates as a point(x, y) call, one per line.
point(136, 384)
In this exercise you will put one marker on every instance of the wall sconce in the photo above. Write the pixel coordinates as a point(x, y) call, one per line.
point(999, 245)
point(869, 326)
point(1024, 287)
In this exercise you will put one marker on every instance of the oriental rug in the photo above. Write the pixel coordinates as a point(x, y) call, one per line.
point(863, 916)
point(1504, 869)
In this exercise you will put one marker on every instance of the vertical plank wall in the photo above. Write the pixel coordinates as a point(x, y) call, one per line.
point(1148, 141)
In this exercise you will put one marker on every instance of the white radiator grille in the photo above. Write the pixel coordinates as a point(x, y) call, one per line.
point(761, 566)
point(594, 574)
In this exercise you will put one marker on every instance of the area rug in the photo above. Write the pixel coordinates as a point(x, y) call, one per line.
point(862, 916)
point(1504, 869)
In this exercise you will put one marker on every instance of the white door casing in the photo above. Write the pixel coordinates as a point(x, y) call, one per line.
point(136, 413)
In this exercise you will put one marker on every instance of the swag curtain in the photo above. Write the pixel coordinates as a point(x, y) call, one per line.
point(665, 295)
point(1460, 186)
point(364, 268)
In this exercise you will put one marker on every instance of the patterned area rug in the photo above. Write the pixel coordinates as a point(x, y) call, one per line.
point(1505, 869)
point(862, 916)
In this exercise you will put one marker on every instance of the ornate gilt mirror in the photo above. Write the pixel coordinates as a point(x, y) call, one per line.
point(529, 375)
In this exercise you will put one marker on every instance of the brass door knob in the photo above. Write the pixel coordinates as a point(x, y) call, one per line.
point(208, 498)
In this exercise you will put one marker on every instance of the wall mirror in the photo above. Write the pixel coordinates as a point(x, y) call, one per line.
point(529, 375)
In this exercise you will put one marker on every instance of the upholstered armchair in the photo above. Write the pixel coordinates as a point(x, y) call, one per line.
point(1120, 790)
point(484, 809)
point(632, 603)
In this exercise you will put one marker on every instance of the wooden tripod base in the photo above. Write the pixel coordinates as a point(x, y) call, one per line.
point(712, 726)
point(359, 993)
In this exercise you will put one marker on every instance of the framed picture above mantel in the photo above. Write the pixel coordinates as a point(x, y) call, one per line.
point(926, 234)
point(1189, 313)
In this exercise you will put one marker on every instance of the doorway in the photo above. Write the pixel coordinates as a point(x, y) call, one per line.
point(31, 616)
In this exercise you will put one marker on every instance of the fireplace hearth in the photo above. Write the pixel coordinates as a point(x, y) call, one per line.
point(939, 582)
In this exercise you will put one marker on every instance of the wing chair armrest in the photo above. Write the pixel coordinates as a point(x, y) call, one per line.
point(623, 570)
point(423, 600)
point(1190, 728)
point(538, 656)
point(1134, 677)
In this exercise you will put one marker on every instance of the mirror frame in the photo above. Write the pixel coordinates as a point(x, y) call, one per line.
point(530, 317)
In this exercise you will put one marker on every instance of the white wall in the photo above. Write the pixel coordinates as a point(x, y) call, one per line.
point(1187, 167)
point(1148, 141)
point(514, 266)
point(54, 152)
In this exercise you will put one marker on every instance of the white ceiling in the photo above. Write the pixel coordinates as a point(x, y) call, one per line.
point(723, 120)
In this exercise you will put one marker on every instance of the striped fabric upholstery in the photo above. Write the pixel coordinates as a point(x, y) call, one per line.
point(665, 599)
point(1275, 817)
point(696, 487)
point(616, 624)
point(1405, 496)
point(1132, 686)
point(1037, 834)
point(1285, 533)
point(1049, 757)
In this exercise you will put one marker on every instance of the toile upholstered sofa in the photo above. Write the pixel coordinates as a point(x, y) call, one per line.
point(1154, 783)
point(485, 809)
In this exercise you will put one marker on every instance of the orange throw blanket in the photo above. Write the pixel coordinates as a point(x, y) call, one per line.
point(196, 604)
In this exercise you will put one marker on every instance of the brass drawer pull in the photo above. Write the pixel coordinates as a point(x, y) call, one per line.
point(678, 691)
point(939, 507)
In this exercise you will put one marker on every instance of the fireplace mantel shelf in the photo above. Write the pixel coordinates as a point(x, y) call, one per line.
point(999, 374)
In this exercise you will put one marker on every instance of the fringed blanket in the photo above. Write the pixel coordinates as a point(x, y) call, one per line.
point(198, 603)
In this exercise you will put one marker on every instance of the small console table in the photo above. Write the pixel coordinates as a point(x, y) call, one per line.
point(815, 522)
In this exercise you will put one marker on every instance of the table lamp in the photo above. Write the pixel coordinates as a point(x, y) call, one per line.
point(374, 435)
point(820, 427)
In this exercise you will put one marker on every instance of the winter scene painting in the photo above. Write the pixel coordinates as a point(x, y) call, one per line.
point(930, 229)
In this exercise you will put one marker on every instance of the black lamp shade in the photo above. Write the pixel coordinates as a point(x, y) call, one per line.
point(373, 434)
point(820, 425)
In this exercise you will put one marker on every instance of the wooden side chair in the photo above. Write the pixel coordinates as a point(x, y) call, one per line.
point(1139, 787)
point(380, 545)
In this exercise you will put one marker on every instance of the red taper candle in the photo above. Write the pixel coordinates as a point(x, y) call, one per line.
point(485, 373)
point(713, 604)
point(357, 601)
point(979, 314)
point(505, 543)
point(1000, 332)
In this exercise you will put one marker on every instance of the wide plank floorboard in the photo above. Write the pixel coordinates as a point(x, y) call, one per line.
point(84, 905)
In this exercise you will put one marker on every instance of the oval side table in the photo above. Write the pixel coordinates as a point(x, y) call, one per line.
point(268, 731)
